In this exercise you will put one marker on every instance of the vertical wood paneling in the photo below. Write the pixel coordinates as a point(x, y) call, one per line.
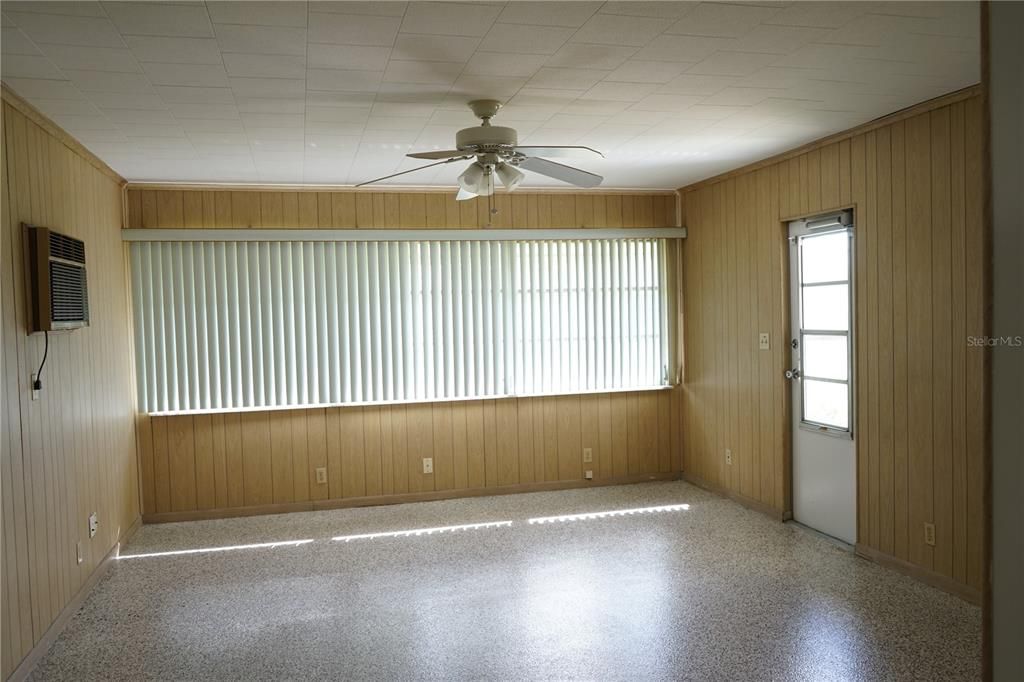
point(70, 453)
point(915, 186)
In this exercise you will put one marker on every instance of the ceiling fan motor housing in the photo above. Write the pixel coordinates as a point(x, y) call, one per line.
point(486, 138)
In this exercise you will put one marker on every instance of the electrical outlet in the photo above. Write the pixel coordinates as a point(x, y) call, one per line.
point(94, 523)
point(929, 534)
point(78, 551)
point(588, 454)
point(728, 456)
point(764, 341)
point(35, 392)
point(321, 475)
point(428, 465)
point(589, 475)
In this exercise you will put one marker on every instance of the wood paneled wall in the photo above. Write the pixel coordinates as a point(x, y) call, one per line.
point(194, 465)
point(72, 451)
point(916, 188)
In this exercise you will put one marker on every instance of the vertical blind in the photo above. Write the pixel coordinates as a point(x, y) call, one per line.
point(235, 325)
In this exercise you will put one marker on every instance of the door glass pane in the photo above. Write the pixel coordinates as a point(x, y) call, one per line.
point(825, 258)
point(826, 403)
point(825, 357)
point(826, 308)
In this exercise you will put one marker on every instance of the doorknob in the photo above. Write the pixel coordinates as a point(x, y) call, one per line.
point(792, 374)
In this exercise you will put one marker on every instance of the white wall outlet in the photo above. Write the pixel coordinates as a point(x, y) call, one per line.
point(94, 523)
point(728, 456)
point(588, 454)
point(428, 465)
point(764, 341)
point(589, 475)
point(35, 393)
point(321, 475)
point(78, 551)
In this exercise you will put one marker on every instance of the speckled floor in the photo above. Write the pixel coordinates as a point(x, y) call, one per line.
point(713, 592)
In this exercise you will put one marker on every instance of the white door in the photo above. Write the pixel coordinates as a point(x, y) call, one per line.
point(821, 377)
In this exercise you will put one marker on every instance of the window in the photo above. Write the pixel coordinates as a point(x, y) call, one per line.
point(250, 324)
point(824, 350)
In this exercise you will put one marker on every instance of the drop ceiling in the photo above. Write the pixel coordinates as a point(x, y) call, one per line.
point(338, 92)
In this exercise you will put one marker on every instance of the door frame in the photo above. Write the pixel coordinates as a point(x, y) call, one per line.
point(787, 320)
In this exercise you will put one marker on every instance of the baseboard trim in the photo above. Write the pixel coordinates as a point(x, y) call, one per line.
point(944, 583)
point(748, 502)
point(36, 653)
point(402, 498)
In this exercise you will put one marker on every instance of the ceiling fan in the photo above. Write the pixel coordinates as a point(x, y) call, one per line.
point(496, 151)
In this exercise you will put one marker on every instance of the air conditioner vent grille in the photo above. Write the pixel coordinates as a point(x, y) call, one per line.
point(67, 248)
point(68, 292)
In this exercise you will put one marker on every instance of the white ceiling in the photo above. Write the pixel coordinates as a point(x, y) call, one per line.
point(338, 92)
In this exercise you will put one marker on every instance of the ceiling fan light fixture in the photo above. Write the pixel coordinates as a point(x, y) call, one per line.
point(510, 176)
point(464, 194)
point(472, 178)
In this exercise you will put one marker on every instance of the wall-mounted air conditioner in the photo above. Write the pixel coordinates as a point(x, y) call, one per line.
point(55, 269)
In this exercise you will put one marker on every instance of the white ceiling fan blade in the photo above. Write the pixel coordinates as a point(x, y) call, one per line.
point(464, 194)
point(411, 170)
point(558, 150)
point(443, 154)
point(574, 176)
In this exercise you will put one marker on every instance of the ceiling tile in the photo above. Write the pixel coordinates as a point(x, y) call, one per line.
point(128, 100)
point(637, 71)
point(350, 29)
point(271, 105)
point(623, 92)
point(572, 79)
point(14, 41)
point(66, 107)
point(821, 14)
point(383, 9)
point(450, 18)
point(610, 29)
point(174, 50)
point(667, 10)
point(721, 20)
point(732, 64)
point(81, 9)
point(262, 39)
point(29, 66)
point(65, 30)
point(359, 57)
point(584, 56)
point(160, 19)
point(682, 48)
point(774, 39)
point(664, 102)
point(264, 66)
point(92, 58)
point(434, 48)
point(261, 13)
point(108, 81)
point(170, 93)
point(261, 120)
point(535, 40)
point(504, 64)
point(568, 14)
point(346, 80)
point(203, 75)
point(84, 122)
point(140, 116)
point(739, 96)
point(442, 73)
point(483, 87)
point(193, 110)
point(210, 125)
point(268, 87)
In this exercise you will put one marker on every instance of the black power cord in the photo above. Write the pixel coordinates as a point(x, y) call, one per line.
point(37, 385)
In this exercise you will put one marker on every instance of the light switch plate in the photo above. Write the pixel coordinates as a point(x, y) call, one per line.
point(588, 454)
point(764, 341)
point(321, 475)
point(428, 465)
point(94, 523)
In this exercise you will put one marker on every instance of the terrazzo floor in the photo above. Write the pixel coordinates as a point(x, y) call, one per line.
point(711, 592)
